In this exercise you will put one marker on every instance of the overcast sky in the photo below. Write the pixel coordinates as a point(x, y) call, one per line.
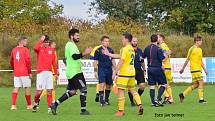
point(76, 8)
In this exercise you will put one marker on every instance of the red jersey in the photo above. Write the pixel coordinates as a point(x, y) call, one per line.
point(20, 61)
point(45, 58)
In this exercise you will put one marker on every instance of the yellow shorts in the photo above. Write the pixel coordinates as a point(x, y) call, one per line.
point(126, 82)
point(196, 76)
point(168, 74)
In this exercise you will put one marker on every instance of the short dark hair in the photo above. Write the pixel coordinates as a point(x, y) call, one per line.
point(46, 38)
point(154, 38)
point(128, 36)
point(162, 36)
point(197, 38)
point(72, 32)
point(22, 38)
point(104, 37)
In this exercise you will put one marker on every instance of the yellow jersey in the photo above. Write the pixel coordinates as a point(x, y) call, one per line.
point(93, 51)
point(165, 49)
point(127, 55)
point(195, 57)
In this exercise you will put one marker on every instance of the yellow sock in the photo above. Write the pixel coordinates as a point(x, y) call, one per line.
point(121, 104)
point(200, 93)
point(137, 98)
point(169, 91)
point(44, 93)
point(97, 88)
point(165, 93)
point(53, 95)
point(188, 91)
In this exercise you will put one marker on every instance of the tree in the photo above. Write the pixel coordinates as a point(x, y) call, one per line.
point(21, 14)
point(188, 16)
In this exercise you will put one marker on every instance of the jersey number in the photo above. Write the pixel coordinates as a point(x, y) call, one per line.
point(132, 61)
point(17, 56)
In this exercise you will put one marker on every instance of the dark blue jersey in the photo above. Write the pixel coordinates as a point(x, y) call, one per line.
point(104, 61)
point(138, 58)
point(154, 56)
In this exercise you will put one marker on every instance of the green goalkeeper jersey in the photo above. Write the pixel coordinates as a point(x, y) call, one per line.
point(73, 66)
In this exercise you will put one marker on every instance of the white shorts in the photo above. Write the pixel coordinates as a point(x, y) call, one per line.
point(22, 81)
point(44, 80)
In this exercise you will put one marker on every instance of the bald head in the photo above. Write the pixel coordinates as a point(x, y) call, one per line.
point(134, 42)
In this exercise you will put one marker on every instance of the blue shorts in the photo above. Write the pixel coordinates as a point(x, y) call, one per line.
point(156, 76)
point(105, 76)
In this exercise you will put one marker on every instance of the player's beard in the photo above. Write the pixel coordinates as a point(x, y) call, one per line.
point(134, 45)
point(76, 40)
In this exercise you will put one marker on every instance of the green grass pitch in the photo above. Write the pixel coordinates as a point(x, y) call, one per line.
point(190, 110)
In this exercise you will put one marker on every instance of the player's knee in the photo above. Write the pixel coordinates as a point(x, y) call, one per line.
point(107, 87)
point(152, 87)
point(142, 86)
point(72, 92)
point(164, 85)
point(131, 90)
point(16, 89)
point(101, 85)
point(49, 91)
point(201, 82)
point(83, 91)
point(195, 85)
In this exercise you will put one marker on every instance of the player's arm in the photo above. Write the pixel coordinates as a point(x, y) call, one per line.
point(116, 56)
point(119, 65)
point(54, 65)
point(95, 63)
point(166, 49)
point(204, 68)
point(39, 43)
point(11, 60)
point(28, 62)
point(143, 66)
point(114, 64)
point(87, 51)
point(169, 52)
point(113, 61)
point(162, 56)
point(142, 60)
point(186, 62)
point(106, 52)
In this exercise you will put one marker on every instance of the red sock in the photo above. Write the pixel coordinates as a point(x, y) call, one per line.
point(37, 96)
point(28, 99)
point(14, 96)
point(49, 100)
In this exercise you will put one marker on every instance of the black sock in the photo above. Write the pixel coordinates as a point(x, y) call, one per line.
point(83, 102)
point(160, 92)
point(83, 99)
point(131, 97)
point(101, 96)
point(64, 97)
point(97, 94)
point(107, 94)
point(140, 91)
point(152, 95)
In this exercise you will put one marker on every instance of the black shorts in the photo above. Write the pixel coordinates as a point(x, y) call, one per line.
point(105, 76)
point(139, 76)
point(77, 82)
point(156, 76)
